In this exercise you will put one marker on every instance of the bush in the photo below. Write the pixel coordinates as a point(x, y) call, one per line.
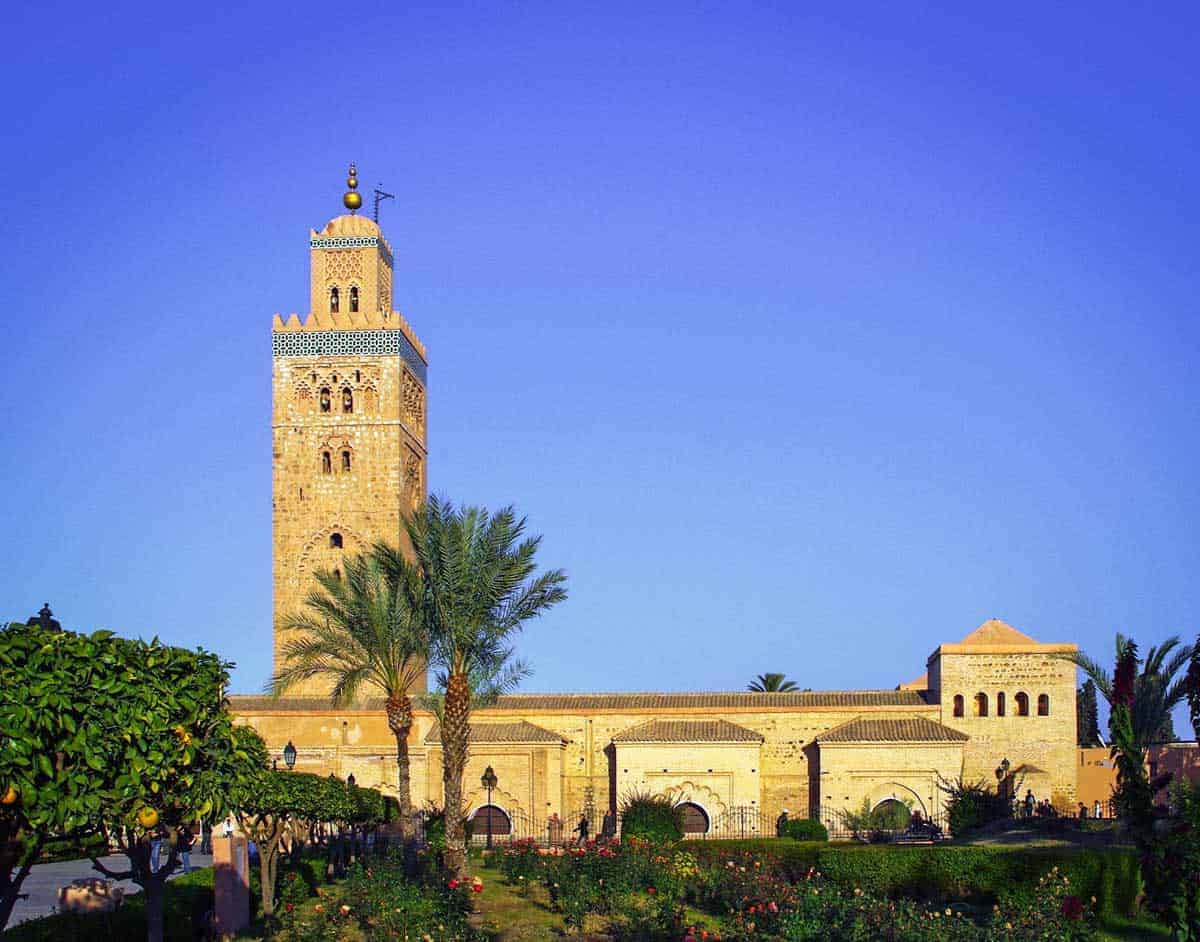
point(804, 829)
point(970, 807)
point(652, 818)
point(954, 872)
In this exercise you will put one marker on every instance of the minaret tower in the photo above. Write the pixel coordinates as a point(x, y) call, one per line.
point(348, 413)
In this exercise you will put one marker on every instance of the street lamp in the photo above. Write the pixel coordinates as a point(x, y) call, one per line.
point(289, 755)
point(488, 781)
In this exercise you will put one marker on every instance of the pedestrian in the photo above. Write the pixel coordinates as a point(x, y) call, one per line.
point(184, 842)
point(608, 827)
point(1029, 803)
point(582, 829)
point(228, 830)
point(1096, 810)
point(781, 824)
point(156, 842)
point(554, 829)
point(1082, 811)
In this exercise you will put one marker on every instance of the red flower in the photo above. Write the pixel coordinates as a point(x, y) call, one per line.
point(1123, 677)
point(1072, 907)
point(289, 907)
point(477, 887)
point(453, 884)
point(651, 891)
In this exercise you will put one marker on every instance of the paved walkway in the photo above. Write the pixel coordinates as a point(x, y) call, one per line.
point(44, 881)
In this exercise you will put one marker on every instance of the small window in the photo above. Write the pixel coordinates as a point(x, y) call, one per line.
point(353, 299)
point(333, 300)
point(326, 400)
point(1022, 704)
point(326, 463)
point(1000, 704)
point(958, 704)
point(981, 704)
point(347, 400)
point(345, 461)
point(1043, 704)
point(335, 541)
point(314, 378)
point(358, 376)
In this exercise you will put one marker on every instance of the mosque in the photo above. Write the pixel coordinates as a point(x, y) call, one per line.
point(349, 450)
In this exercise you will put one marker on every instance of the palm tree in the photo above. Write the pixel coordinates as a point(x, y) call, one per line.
point(771, 683)
point(1157, 688)
point(479, 588)
point(363, 630)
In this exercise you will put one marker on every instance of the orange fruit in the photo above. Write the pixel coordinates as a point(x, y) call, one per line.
point(147, 818)
point(10, 796)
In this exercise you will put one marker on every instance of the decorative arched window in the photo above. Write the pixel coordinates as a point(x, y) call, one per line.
point(1000, 703)
point(333, 300)
point(346, 460)
point(1043, 704)
point(326, 463)
point(958, 704)
point(335, 541)
point(354, 299)
point(1022, 704)
point(981, 704)
point(347, 400)
point(326, 400)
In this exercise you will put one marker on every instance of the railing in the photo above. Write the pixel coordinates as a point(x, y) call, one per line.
point(919, 829)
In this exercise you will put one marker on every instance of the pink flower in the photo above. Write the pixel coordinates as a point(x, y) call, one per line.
point(651, 891)
point(1072, 907)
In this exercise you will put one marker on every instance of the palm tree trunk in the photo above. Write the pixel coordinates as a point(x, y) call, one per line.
point(456, 719)
point(400, 720)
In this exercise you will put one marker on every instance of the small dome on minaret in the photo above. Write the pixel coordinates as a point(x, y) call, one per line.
point(352, 200)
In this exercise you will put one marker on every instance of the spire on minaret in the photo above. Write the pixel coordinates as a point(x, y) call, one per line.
point(352, 200)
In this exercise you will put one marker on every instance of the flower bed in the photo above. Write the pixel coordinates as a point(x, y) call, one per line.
point(378, 902)
point(642, 892)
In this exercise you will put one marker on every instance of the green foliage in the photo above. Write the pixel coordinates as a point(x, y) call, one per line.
point(804, 829)
point(1087, 717)
point(653, 818)
point(947, 872)
point(971, 806)
point(771, 683)
point(96, 728)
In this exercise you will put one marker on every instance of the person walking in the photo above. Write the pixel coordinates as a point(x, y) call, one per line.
point(781, 824)
point(184, 842)
point(1029, 803)
point(156, 843)
point(582, 829)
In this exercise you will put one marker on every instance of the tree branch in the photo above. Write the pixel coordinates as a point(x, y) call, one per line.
point(113, 875)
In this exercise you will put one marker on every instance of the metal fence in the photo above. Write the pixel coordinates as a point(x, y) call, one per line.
point(844, 826)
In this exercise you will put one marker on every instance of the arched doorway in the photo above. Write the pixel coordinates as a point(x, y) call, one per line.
point(891, 814)
point(693, 818)
point(501, 823)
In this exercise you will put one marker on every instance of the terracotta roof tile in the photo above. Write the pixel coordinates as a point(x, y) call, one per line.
point(906, 729)
point(628, 702)
point(994, 631)
point(502, 732)
point(688, 731)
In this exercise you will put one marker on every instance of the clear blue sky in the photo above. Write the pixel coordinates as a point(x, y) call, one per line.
point(808, 339)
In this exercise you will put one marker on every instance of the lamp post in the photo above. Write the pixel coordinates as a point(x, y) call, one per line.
point(289, 755)
point(488, 781)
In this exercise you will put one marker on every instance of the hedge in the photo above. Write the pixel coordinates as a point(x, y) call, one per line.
point(949, 872)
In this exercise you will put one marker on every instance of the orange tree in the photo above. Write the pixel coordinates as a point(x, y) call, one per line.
point(110, 737)
point(273, 804)
point(478, 586)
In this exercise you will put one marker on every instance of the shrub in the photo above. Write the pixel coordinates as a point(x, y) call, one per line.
point(953, 872)
point(653, 818)
point(804, 829)
point(970, 807)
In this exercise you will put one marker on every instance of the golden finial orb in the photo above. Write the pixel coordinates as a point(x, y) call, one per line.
point(352, 200)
